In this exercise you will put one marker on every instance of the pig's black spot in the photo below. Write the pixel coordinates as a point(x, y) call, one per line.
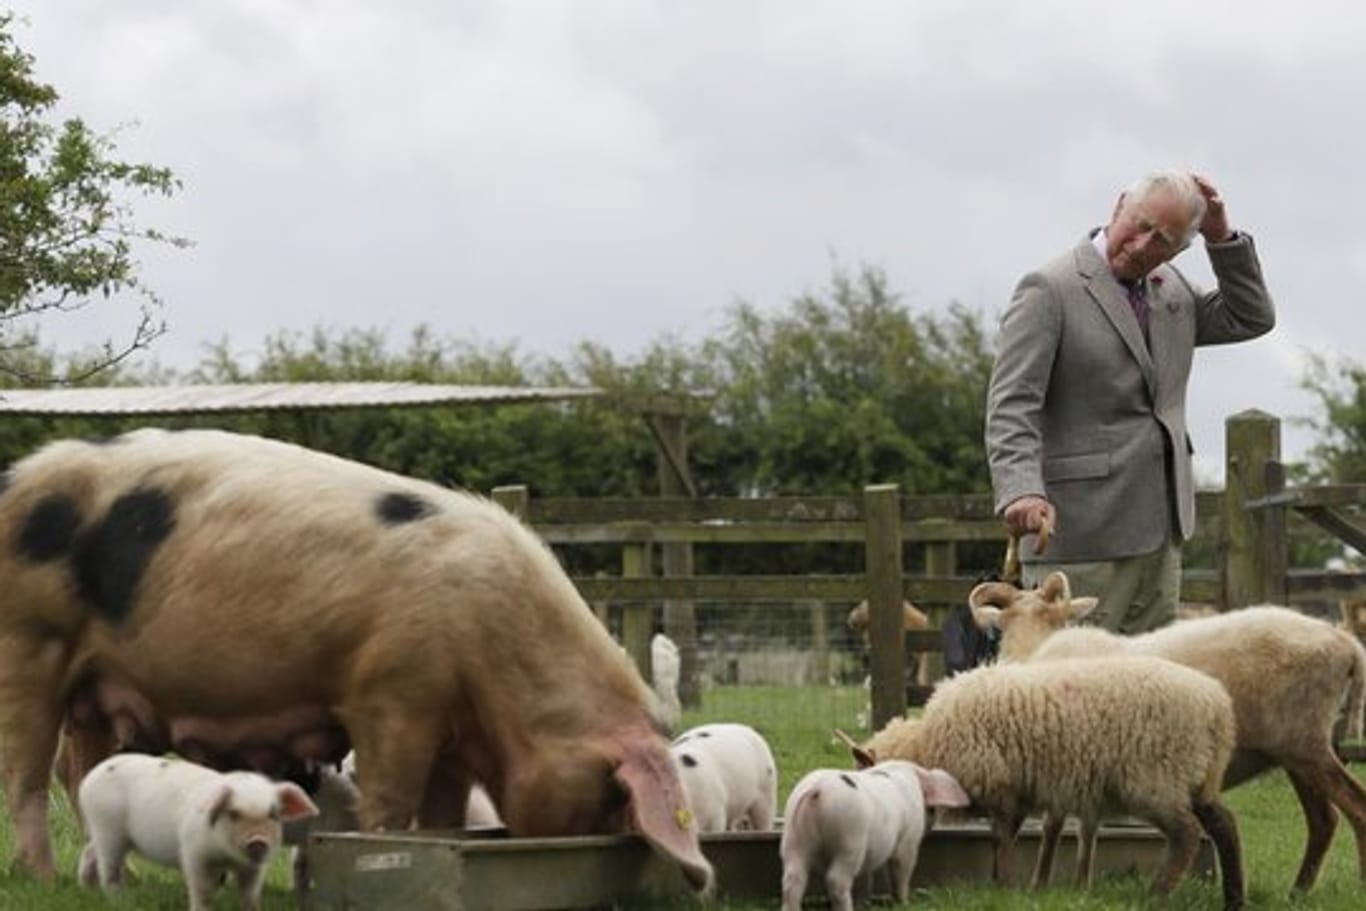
point(113, 555)
point(397, 508)
point(688, 760)
point(849, 781)
point(50, 529)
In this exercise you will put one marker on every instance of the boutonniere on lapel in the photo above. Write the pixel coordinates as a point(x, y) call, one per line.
point(1155, 283)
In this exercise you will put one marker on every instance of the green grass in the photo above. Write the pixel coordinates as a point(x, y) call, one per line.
point(798, 723)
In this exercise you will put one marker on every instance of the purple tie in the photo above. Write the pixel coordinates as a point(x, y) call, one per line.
point(1138, 301)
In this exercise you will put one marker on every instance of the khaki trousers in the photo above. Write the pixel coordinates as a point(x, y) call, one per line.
point(1136, 594)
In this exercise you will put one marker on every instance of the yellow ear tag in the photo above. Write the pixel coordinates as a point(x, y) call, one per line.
point(683, 818)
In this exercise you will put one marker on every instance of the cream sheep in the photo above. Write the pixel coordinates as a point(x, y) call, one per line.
point(912, 618)
point(1288, 675)
point(249, 603)
point(1131, 735)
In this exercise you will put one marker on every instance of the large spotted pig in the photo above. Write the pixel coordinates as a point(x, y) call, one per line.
point(247, 602)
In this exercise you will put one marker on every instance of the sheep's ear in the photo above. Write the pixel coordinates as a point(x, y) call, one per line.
point(863, 757)
point(987, 617)
point(941, 789)
point(294, 803)
point(1056, 588)
point(913, 617)
point(1080, 607)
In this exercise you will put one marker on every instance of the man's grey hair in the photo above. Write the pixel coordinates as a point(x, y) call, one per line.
point(1179, 183)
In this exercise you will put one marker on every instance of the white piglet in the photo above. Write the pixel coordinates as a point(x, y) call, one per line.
point(183, 815)
point(729, 776)
point(851, 823)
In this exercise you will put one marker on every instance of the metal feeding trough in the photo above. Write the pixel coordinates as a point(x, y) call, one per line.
point(487, 871)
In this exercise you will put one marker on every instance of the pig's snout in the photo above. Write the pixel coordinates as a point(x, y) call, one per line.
point(258, 849)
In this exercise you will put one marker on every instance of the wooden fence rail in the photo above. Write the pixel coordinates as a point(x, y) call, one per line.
point(1247, 526)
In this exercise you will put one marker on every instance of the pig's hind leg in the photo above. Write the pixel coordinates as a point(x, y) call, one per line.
point(101, 861)
point(839, 881)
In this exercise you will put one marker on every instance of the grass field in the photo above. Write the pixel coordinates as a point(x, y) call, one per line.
point(1269, 818)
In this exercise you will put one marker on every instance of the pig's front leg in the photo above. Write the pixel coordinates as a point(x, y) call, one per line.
point(249, 882)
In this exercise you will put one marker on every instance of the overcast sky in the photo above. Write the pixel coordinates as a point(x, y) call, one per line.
point(548, 172)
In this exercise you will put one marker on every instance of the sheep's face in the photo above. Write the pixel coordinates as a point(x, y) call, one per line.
point(895, 741)
point(1026, 617)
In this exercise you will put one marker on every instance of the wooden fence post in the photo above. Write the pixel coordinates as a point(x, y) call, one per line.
point(514, 498)
point(886, 634)
point(676, 557)
point(941, 559)
point(637, 619)
point(1252, 542)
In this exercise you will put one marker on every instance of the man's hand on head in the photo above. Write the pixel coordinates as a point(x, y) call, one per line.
point(1214, 226)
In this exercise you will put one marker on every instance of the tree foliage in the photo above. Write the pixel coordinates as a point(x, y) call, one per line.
point(1339, 456)
point(67, 235)
point(849, 388)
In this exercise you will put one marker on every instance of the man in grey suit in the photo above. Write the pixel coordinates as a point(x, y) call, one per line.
point(1086, 411)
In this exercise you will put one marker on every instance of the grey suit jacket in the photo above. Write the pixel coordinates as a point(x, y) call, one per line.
point(1080, 410)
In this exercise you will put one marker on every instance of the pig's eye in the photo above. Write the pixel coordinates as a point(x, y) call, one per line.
point(234, 816)
point(274, 813)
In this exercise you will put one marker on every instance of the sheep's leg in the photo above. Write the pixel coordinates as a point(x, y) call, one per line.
point(1320, 820)
point(1347, 794)
point(1182, 829)
point(1048, 846)
point(1219, 823)
point(1086, 850)
point(1004, 829)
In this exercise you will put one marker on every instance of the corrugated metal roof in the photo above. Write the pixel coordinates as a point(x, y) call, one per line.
point(245, 397)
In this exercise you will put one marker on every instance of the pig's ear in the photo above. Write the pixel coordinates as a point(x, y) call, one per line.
point(659, 809)
point(294, 803)
point(219, 805)
point(941, 789)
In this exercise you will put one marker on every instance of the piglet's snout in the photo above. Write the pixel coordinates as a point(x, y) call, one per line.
point(258, 849)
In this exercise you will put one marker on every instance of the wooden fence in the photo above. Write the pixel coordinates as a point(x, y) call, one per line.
point(1247, 526)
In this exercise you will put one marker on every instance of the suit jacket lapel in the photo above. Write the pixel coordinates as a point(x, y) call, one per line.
point(1106, 293)
point(1161, 323)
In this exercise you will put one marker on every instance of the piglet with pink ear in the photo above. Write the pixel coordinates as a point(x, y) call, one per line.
point(183, 815)
point(848, 823)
